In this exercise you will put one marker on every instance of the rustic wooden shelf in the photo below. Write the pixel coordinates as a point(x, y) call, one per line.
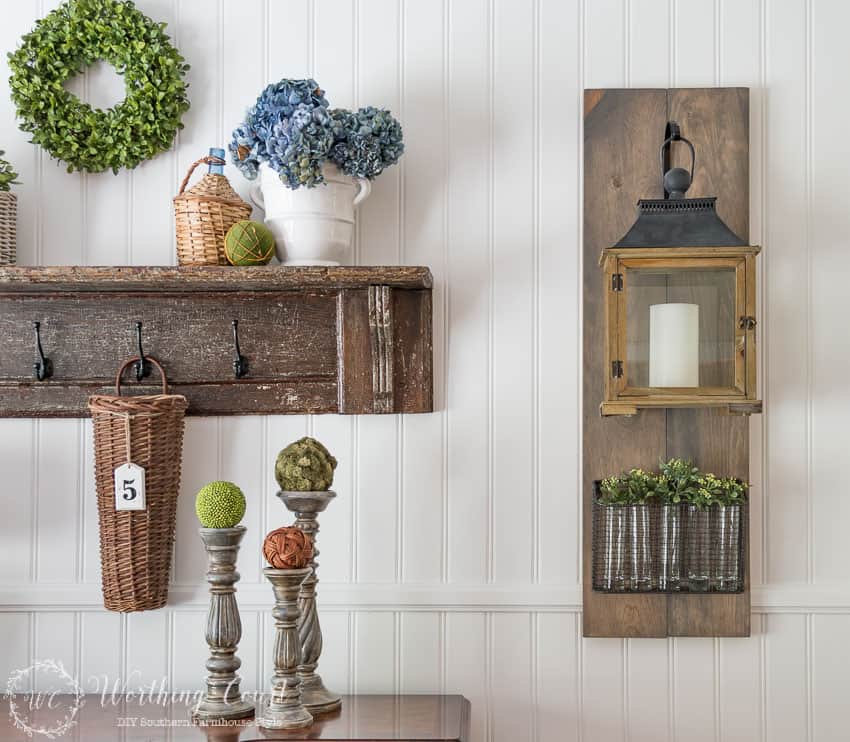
point(349, 340)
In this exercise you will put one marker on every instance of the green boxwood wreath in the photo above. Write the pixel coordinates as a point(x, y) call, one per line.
point(65, 42)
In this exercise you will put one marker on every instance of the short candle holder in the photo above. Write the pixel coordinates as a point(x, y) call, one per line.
point(223, 699)
point(284, 709)
point(316, 698)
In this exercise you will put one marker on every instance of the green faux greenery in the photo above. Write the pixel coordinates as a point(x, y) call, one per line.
point(7, 175)
point(305, 466)
point(63, 44)
point(678, 481)
point(220, 505)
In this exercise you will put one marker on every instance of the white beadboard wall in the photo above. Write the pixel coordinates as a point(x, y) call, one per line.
point(450, 561)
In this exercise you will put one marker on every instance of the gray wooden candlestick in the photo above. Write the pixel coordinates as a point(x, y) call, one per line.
point(284, 709)
point(315, 697)
point(223, 699)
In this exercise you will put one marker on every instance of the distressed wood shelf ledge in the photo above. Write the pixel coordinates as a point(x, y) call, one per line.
point(343, 339)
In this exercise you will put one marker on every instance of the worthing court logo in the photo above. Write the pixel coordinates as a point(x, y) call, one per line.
point(56, 711)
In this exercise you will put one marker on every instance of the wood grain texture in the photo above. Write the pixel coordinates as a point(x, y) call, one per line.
point(366, 718)
point(717, 122)
point(291, 336)
point(623, 131)
point(208, 278)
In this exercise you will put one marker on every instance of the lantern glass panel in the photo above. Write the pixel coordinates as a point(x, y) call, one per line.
point(680, 327)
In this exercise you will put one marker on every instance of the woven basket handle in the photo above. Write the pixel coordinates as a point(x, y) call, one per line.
point(129, 362)
point(209, 160)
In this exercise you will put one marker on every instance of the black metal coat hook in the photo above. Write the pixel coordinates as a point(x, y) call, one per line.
point(142, 366)
point(240, 363)
point(43, 366)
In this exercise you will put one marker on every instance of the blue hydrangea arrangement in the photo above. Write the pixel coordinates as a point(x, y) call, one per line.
point(292, 129)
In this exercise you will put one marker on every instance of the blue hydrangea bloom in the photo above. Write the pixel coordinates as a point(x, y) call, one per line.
point(365, 141)
point(288, 128)
point(291, 128)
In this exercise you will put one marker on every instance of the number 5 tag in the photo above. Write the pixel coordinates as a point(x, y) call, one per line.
point(130, 487)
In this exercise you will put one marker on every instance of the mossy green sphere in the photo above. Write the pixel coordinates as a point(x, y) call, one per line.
point(305, 466)
point(249, 243)
point(220, 505)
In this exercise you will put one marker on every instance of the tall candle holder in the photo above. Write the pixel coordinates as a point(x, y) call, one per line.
point(316, 698)
point(285, 709)
point(223, 699)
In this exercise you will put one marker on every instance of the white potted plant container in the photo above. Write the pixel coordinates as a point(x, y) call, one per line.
point(313, 166)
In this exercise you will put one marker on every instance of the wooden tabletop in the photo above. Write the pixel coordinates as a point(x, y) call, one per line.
point(362, 718)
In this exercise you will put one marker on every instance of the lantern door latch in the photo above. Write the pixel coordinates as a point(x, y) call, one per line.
point(617, 369)
point(747, 323)
point(617, 282)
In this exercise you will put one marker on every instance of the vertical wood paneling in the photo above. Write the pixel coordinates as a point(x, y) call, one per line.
point(603, 689)
point(558, 282)
point(17, 525)
point(16, 643)
point(336, 650)
point(648, 709)
point(696, 43)
point(829, 223)
point(786, 665)
point(375, 653)
point(830, 668)
point(186, 670)
point(649, 43)
point(739, 684)
point(513, 434)
point(151, 233)
point(148, 648)
point(467, 368)
point(557, 659)
point(605, 35)
point(695, 713)
point(56, 639)
point(336, 533)
point(200, 446)
point(423, 170)
point(57, 489)
point(787, 266)
point(101, 654)
point(468, 665)
point(420, 656)
point(293, 58)
point(510, 693)
point(249, 469)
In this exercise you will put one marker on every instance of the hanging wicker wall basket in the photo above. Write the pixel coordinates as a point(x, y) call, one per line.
point(8, 228)
point(136, 545)
point(203, 214)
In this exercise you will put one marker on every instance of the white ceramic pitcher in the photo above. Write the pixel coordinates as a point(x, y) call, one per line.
point(312, 226)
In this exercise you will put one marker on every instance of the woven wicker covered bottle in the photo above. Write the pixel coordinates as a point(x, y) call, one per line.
point(205, 212)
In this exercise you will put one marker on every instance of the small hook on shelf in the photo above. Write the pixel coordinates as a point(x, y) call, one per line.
point(240, 363)
point(142, 366)
point(43, 367)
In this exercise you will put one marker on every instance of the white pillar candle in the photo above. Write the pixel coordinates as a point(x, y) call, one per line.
point(674, 345)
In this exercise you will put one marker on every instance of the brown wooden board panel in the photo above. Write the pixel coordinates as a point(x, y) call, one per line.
point(717, 121)
point(310, 348)
point(623, 133)
point(621, 136)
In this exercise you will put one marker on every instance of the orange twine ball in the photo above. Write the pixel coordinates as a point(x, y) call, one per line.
point(288, 548)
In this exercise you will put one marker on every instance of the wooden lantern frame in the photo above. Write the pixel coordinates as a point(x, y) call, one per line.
point(622, 399)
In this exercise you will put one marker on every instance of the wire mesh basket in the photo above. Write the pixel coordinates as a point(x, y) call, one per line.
point(668, 548)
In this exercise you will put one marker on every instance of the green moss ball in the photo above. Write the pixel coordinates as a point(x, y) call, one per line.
point(249, 243)
point(305, 466)
point(220, 505)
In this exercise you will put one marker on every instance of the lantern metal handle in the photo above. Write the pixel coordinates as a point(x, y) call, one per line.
point(677, 180)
